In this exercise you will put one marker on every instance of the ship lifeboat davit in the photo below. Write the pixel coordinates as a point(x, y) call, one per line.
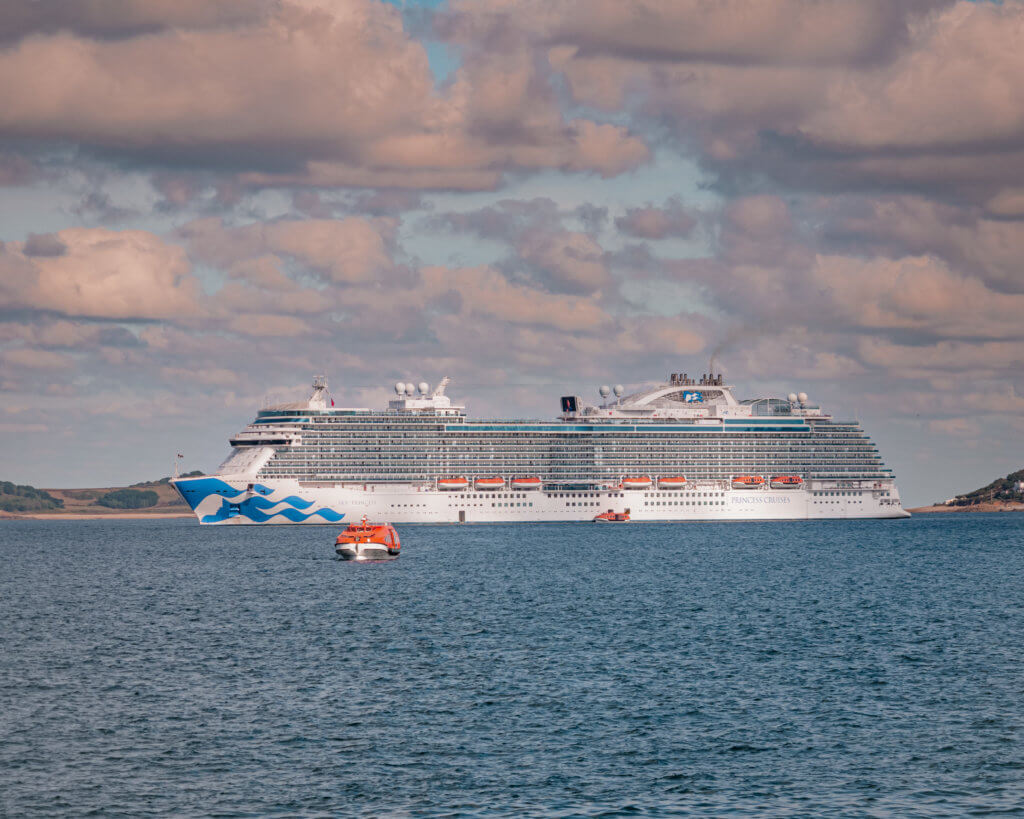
point(638, 482)
point(786, 482)
point(612, 517)
point(526, 483)
point(675, 482)
point(368, 541)
point(452, 484)
point(747, 481)
point(489, 484)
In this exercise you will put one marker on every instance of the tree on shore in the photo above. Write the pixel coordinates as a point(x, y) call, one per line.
point(129, 499)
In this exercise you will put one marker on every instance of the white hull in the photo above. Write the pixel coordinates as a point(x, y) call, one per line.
point(363, 552)
point(226, 500)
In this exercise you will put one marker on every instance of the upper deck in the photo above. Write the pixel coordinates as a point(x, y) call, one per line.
point(666, 429)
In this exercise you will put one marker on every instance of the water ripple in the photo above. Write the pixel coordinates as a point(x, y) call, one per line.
point(861, 668)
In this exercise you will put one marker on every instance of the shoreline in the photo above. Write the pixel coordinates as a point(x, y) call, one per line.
point(94, 515)
point(973, 509)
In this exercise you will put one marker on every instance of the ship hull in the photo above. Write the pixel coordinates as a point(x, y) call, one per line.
point(240, 501)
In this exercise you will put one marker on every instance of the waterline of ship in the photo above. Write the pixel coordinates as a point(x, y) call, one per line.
point(682, 450)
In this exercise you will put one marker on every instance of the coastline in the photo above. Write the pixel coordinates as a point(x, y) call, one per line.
point(991, 506)
point(94, 515)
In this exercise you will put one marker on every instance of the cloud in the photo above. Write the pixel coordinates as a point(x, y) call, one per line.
point(121, 18)
point(45, 244)
point(564, 261)
point(945, 358)
point(820, 95)
point(955, 426)
point(337, 250)
point(130, 274)
point(966, 238)
point(486, 292)
point(567, 262)
point(651, 222)
point(295, 92)
point(269, 325)
point(795, 32)
point(212, 376)
point(36, 359)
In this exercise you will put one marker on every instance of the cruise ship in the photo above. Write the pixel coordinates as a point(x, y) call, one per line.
point(685, 449)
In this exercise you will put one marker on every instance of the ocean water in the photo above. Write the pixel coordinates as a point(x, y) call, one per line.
point(861, 668)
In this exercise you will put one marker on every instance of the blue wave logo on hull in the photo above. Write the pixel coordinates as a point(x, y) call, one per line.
point(252, 511)
point(254, 508)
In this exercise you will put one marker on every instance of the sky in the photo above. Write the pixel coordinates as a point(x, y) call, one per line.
point(203, 203)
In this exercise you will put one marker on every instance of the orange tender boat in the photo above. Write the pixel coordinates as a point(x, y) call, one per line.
point(786, 482)
point(612, 517)
point(368, 541)
point(747, 481)
point(526, 483)
point(452, 484)
point(674, 482)
point(489, 483)
point(638, 482)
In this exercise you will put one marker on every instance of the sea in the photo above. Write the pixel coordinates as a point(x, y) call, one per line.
point(827, 668)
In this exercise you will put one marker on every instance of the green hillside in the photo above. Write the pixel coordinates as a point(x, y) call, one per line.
point(149, 497)
point(19, 498)
point(1001, 489)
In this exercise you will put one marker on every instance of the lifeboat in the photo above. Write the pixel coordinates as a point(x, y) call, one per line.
point(786, 482)
point(639, 482)
point(675, 482)
point(526, 483)
point(452, 484)
point(611, 517)
point(489, 483)
point(747, 481)
point(368, 541)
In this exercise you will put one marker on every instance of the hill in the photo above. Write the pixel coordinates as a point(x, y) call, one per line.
point(1002, 495)
point(157, 498)
point(22, 498)
point(1008, 489)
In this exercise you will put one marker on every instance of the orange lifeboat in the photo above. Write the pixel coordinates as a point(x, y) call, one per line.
point(368, 541)
point(747, 481)
point(675, 482)
point(638, 482)
point(452, 484)
point(526, 483)
point(786, 482)
point(612, 517)
point(489, 484)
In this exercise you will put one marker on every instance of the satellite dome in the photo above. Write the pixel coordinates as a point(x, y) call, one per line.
point(410, 388)
point(791, 398)
point(802, 398)
point(605, 390)
point(399, 387)
point(423, 387)
point(619, 389)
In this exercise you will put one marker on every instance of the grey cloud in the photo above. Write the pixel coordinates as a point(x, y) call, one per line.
point(504, 221)
point(44, 244)
point(109, 19)
point(593, 217)
point(965, 237)
point(652, 222)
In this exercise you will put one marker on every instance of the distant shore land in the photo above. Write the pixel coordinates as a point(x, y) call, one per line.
point(990, 506)
point(152, 500)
